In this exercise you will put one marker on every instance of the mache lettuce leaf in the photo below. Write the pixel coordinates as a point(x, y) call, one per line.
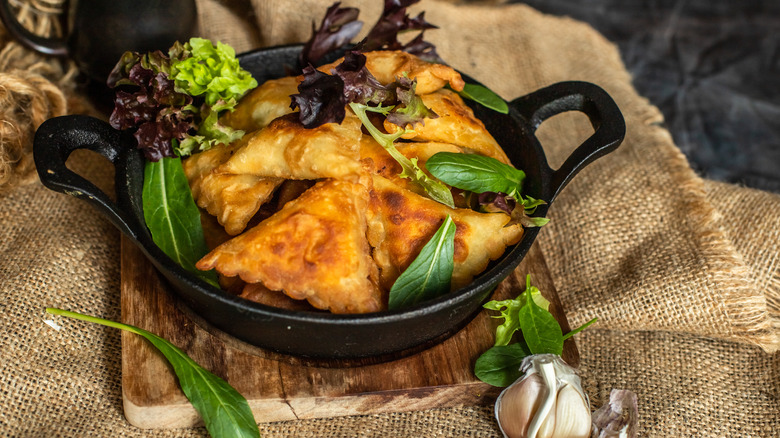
point(225, 412)
point(172, 217)
point(498, 185)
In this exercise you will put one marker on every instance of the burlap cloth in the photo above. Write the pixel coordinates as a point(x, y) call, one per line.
point(683, 273)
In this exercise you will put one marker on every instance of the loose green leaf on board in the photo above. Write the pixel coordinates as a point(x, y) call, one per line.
point(541, 331)
point(510, 311)
point(500, 365)
point(485, 97)
point(224, 410)
point(476, 173)
point(430, 274)
point(172, 216)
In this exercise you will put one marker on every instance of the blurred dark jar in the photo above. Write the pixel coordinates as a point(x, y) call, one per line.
point(100, 31)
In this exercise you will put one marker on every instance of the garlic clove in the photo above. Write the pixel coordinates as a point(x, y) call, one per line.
point(547, 427)
point(543, 423)
point(518, 403)
point(572, 416)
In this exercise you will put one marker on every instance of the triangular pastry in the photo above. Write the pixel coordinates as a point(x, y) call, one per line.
point(285, 149)
point(388, 65)
point(314, 248)
point(455, 124)
point(262, 105)
point(233, 199)
point(402, 222)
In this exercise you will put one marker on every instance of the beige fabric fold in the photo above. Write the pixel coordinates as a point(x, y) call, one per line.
point(683, 273)
point(749, 220)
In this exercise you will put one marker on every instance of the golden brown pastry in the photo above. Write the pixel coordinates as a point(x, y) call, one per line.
point(402, 222)
point(258, 293)
point(314, 248)
point(233, 199)
point(387, 65)
point(380, 162)
point(456, 124)
point(285, 149)
point(262, 105)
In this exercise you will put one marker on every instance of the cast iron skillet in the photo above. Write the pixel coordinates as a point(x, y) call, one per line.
point(323, 335)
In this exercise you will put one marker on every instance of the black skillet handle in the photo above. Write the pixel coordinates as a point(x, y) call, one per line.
point(58, 137)
point(594, 102)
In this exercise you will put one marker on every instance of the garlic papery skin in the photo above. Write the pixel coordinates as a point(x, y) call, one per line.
point(546, 402)
point(619, 418)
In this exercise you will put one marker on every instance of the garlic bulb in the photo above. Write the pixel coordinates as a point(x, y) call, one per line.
point(546, 402)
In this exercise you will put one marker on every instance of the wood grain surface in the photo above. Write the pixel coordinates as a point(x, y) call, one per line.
point(283, 388)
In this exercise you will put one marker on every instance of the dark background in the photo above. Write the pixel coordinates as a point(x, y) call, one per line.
point(711, 66)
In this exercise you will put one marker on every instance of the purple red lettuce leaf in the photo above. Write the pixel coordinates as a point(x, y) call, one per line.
point(158, 136)
point(174, 100)
point(360, 85)
point(493, 202)
point(320, 98)
point(423, 49)
point(155, 107)
point(395, 20)
point(338, 27)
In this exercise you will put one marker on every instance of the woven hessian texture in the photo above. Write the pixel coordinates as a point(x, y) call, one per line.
point(683, 273)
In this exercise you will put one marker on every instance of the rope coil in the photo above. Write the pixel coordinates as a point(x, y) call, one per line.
point(33, 88)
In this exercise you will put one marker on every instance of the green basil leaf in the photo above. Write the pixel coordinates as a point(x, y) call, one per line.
point(172, 216)
point(485, 97)
point(225, 412)
point(430, 274)
point(476, 173)
point(500, 365)
point(540, 330)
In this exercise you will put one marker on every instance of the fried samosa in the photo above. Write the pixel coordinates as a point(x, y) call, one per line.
point(285, 149)
point(258, 293)
point(314, 248)
point(380, 162)
point(262, 105)
point(402, 222)
point(455, 124)
point(387, 65)
point(233, 199)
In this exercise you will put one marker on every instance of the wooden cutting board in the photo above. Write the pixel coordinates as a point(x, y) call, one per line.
point(282, 387)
